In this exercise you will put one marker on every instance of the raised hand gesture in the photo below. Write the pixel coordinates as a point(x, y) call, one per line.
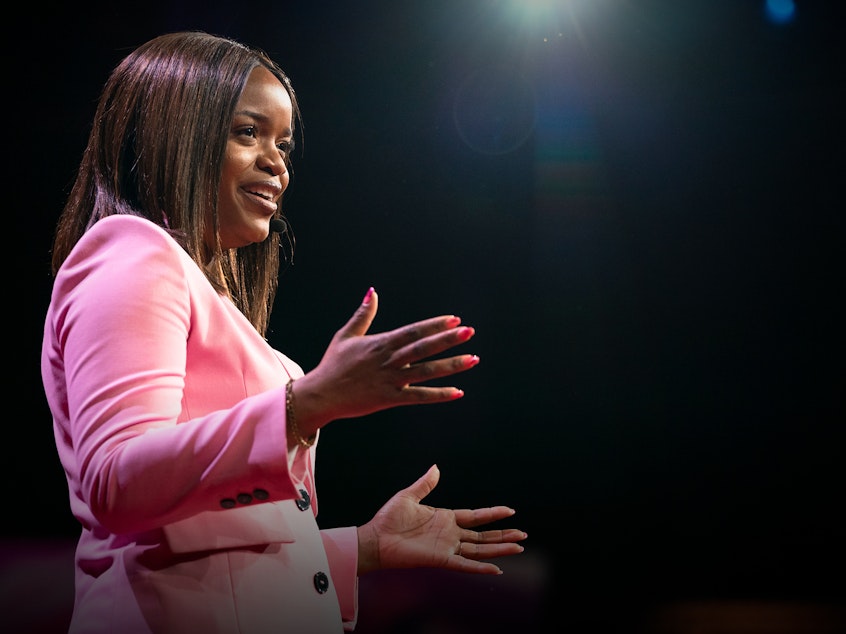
point(363, 373)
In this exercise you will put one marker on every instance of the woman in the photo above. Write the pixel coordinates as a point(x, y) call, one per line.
point(187, 440)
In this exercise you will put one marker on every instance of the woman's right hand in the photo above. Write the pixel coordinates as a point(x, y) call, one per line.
point(363, 373)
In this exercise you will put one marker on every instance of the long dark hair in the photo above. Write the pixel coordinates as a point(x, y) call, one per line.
point(156, 150)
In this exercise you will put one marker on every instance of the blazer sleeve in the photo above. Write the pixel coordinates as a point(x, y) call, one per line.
point(341, 545)
point(123, 308)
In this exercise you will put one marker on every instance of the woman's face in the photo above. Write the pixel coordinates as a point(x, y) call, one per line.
point(254, 172)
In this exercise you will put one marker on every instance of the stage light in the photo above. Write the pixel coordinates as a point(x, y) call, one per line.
point(780, 11)
point(542, 18)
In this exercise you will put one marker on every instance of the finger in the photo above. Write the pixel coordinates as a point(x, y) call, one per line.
point(409, 334)
point(424, 485)
point(504, 536)
point(488, 551)
point(362, 318)
point(463, 564)
point(433, 344)
point(468, 518)
point(416, 395)
point(421, 372)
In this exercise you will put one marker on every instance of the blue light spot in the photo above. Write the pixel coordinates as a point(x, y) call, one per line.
point(780, 11)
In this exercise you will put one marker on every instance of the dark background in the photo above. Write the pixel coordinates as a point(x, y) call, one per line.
point(638, 205)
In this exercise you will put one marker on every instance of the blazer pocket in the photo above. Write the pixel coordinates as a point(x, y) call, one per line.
point(231, 528)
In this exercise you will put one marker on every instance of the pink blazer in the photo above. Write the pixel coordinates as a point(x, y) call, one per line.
point(169, 419)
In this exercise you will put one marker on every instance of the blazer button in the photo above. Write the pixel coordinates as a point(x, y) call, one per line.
point(321, 582)
point(260, 494)
point(304, 502)
point(244, 498)
point(228, 503)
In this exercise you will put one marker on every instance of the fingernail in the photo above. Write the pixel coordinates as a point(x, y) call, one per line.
point(367, 296)
point(471, 361)
point(458, 394)
point(465, 333)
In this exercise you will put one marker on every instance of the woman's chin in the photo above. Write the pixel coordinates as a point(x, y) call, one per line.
point(257, 232)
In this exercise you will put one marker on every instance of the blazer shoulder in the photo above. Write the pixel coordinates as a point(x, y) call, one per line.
point(124, 241)
point(126, 228)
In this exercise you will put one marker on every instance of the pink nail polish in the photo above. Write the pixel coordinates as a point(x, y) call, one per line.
point(367, 296)
point(458, 394)
point(471, 361)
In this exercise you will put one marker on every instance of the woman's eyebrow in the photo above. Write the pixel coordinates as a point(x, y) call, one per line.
point(258, 116)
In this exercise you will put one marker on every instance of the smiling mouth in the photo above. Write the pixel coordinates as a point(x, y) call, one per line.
point(261, 195)
point(265, 200)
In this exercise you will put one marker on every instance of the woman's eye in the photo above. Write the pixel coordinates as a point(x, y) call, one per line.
point(249, 131)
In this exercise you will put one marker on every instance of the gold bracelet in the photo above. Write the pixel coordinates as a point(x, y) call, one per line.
point(292, 420)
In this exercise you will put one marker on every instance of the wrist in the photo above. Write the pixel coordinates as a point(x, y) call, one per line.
point(368, 550)
point(295, 434)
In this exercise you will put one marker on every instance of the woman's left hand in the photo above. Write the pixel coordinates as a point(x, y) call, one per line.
point(407, 534)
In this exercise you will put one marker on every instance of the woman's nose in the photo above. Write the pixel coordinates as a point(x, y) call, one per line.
point(272, 162)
